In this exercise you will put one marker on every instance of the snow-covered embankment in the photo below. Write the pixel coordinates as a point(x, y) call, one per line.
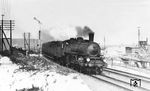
point(13, 78)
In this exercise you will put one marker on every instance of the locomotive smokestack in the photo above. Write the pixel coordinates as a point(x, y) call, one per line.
point(91, 36)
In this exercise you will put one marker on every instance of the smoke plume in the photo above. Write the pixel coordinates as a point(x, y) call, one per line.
point(83, 32)
point(58, 34)
point(64, 33)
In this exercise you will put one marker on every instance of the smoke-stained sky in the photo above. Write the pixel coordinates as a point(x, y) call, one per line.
point(117, 20)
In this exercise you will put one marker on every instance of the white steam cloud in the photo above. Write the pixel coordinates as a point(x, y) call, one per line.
point(64, 32)
point(58, 33)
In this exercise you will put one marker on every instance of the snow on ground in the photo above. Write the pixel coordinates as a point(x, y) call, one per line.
point(96, 85)
point(14, 79)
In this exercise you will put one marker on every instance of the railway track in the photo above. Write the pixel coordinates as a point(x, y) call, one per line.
point(125, 76)
point(147, 79)
point(123, 79)
point(120, 83)
point(111, 83)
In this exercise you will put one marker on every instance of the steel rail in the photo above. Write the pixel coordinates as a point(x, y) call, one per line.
point(120, 83)
point(111, 83)
point(147, 79)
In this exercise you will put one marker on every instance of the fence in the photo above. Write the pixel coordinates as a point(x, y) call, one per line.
point(117, 61)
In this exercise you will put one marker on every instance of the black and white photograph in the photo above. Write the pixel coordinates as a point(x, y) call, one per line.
point(74, 45)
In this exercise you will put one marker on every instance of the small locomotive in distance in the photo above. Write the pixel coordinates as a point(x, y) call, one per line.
point(76, 53)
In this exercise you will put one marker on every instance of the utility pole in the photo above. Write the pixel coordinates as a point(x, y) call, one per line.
point(24, 35)
point(2, 31)
point(29, 41)
point(139, 36)
point(10, 37)
point(40, 42)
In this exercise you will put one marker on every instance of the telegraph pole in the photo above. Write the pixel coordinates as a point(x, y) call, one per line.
point(24, 35)
point(104, 42)
point(138, 36)
point(2, 31)
point(29, 41)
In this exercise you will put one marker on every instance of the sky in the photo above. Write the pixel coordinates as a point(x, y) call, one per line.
point(116, 20)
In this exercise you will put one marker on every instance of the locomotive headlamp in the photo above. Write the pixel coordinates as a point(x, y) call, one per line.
point(88, 59)
point(80, 58)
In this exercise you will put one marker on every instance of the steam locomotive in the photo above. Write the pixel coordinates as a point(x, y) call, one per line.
point(76, 53)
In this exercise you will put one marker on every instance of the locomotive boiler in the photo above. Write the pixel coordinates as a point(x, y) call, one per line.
point(77, 53)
